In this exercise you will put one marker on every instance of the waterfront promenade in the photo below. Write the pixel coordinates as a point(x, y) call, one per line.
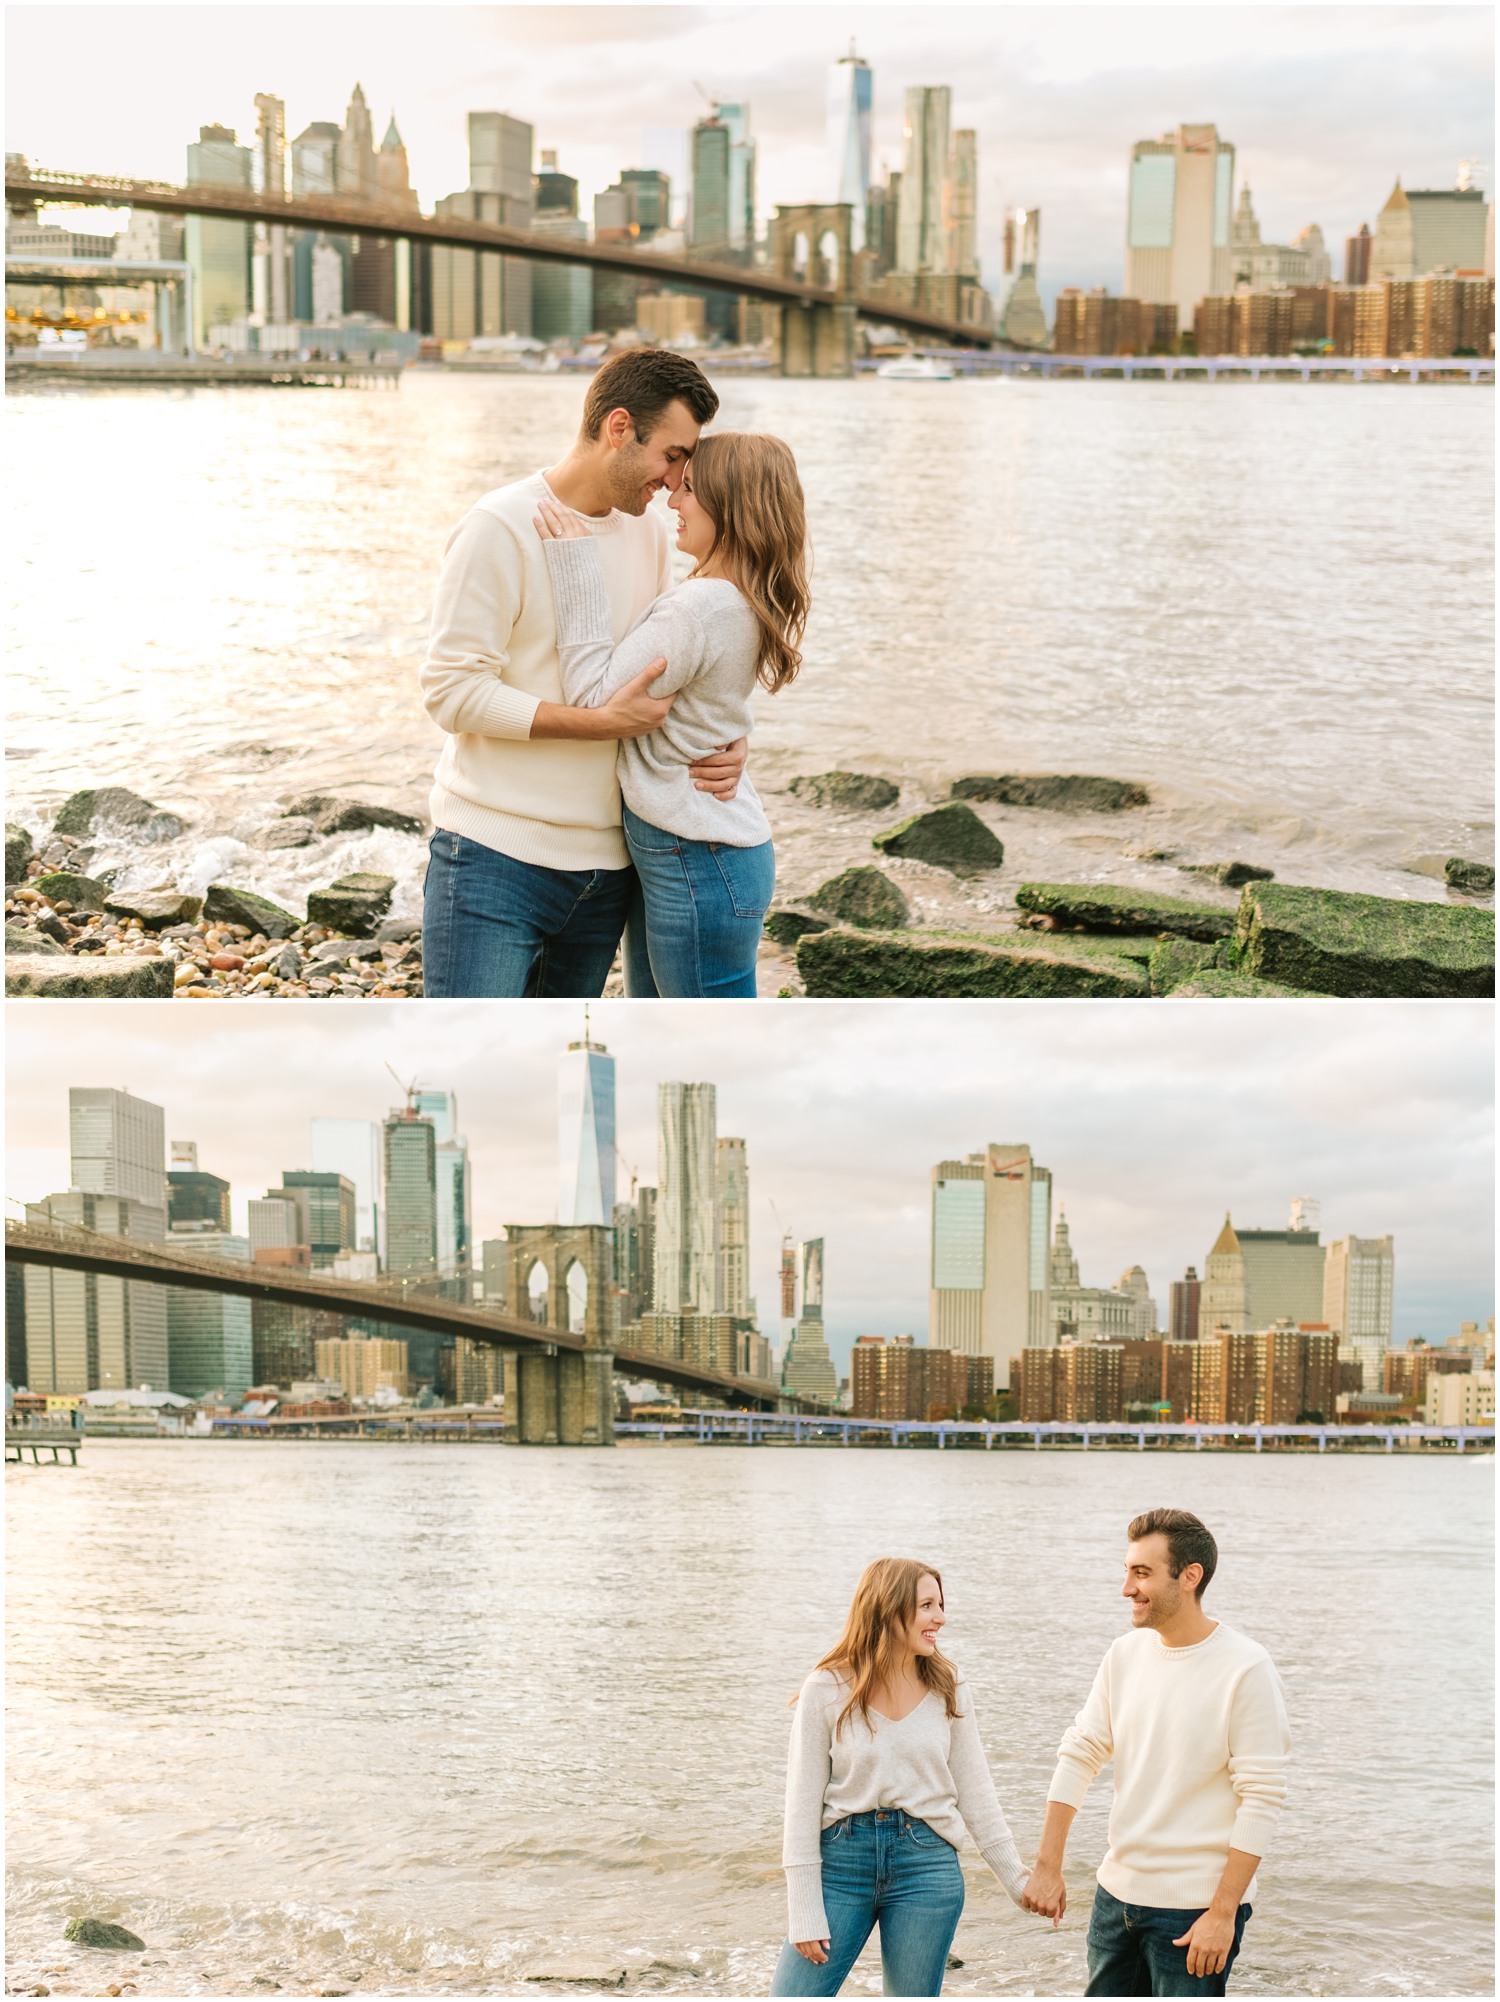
point(758, 1428)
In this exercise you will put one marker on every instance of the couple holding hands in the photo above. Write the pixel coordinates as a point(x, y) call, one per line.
point(887, 1770)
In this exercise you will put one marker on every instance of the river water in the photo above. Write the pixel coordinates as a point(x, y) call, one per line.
point(434, 1719)
point(1271, 604)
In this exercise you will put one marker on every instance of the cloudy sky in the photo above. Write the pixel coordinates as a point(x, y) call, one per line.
point(1325, 105)
point(1153, 1119)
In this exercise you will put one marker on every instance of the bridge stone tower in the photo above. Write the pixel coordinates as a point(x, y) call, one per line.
point(814, 242)
point(563, 1276)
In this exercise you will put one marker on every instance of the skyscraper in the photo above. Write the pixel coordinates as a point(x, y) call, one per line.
point(687, 1167)
point(961, 205)
point(411, 1205)
point(1221, 1294)
point(807, 1369)
point(709, 217)
point(455, 1236)
point(479, 291)
point(118, 1145)
point(586, 1170)
point(1177, 234)
point(741, 176)
point(1359, 1285)
point(1025, 322)
point(271, 287)
point(1253, 1278)
point(218, 251)
point(210, 1341)
point(1183, 1311)
point(352, 1148)
point(851, 112)
point(1425, 229)
point(921, 237)
point(732, 1224)
point(991, 1255)
point(326, 1212)
point(194, 1197)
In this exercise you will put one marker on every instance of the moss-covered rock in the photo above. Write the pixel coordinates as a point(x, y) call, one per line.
point(864, 897)
point(786, 923)
point(155, 908)
point(848, 964)
point(1222, 983)
point(102, 1932)
point(353, 905)
point(1233, 875)
point(1175, 960)
point(1475, 879)
point(950, 837)
point(65, 886)
point(853, 792)
point(21, 938)
point(1104, 907)
point(116, 809)
point(1338, 942)
point(1058, 792)
point(87, 976)
point(19, 849)
point(226, 905)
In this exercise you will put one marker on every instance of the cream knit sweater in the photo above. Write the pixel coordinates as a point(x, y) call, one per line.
point(931, 1765)
point(1199, 1740)
point(492, 658)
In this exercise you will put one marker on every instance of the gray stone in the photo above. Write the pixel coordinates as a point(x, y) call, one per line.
point(330, 815)
point(786, 923)
point(154, 908)
point(1475, 879)
point(578, 1968)
point(1102, 907)
point(865, 897)
point(1337, 942)
point(854, 792)
point(1233, 875)
point(54, 927)
point(65, 886)
point(289, 965)
point(101, 1932)
point(293, 832)
point(950, 837)
point(396, 931)
point(19, 850)
point(227, 905)
point(20, 938)
point(68, 976)
point(843, 964)
point(1057, 792)
point(114, 809)
point(353, 904)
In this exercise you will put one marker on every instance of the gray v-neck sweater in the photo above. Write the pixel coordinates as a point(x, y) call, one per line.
point(711, 641)
point(928, 1763)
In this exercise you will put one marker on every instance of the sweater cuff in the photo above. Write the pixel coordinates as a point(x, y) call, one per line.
point(806, 1918)
point(1069, 1784)
point(1253, 1829)
point(1005, 1860)
point(578, 594)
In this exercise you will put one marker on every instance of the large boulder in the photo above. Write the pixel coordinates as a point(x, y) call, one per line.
point(330, 815)
point(1058, 792)
point(155, 908)
point(1474, 879)
point(66, 886)
point(1175, 960)
point(115, 810)
point(226, 905)
point(19, 849)
point(91, 975)
point(1103, 907)
point(294, 831)
point(842, 964)
point(855, 792)
point(1233, 875)
point(353, 904)
point(1222, 983)
point(1338, 942)
point(863, 897)
point(950, 837)
point(786, 923)
point(102, 1932)
point(21, 938)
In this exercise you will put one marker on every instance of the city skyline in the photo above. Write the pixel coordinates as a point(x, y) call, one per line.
point(1150, 1132)
point(1058, 96)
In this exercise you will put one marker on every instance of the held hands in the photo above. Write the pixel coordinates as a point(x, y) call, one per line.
point(1045, 1893)
point(720, 773)
point(815, 1950)
point(559, 524)
point(1208, 1941)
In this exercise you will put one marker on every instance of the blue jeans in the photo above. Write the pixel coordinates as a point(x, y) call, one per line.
point(1131, 1950)
point(495, 927)
point(704, 904)
point(882, 1869)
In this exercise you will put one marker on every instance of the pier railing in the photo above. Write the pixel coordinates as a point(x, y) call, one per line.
point(756, 1428)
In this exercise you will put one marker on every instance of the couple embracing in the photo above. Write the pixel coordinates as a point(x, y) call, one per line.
point(887, 1771)
point(592, 783)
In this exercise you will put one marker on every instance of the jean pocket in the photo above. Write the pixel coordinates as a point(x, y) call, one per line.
point(749, 876)
point(924, 1837)
point(834, 1832)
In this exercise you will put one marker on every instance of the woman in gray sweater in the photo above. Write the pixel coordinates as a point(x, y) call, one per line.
point(886, 1772)
point(707, 867)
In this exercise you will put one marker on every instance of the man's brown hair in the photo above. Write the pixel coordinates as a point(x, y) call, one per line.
point(644, 381)
point(1188, 1542)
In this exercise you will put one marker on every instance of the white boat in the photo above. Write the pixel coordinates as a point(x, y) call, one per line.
point(914, 368)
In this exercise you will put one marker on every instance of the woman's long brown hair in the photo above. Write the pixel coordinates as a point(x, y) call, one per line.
point(746, 483)
point(870, 1648)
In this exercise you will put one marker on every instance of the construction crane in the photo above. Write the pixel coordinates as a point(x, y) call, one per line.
point(788, 1267)
point(409, 1089)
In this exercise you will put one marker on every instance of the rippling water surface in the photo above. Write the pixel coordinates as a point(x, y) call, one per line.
point(431, 1719)
point(1270, 603)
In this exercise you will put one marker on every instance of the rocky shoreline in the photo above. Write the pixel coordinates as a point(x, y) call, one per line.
point(73, 934)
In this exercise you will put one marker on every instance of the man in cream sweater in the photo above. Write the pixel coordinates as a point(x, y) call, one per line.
point(1192, 1715)
point(529, 885)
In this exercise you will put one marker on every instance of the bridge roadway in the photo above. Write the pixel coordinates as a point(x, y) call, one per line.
point(347, 217)
point(125, 1258)
point(754, 1428)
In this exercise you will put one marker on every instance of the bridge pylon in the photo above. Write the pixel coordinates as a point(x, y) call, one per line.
point(814, 242)
point(563, 1276)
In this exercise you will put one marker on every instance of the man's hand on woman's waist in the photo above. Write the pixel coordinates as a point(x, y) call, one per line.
point(720, 773)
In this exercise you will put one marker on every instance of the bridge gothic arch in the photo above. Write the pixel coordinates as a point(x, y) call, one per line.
point(813, 243)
